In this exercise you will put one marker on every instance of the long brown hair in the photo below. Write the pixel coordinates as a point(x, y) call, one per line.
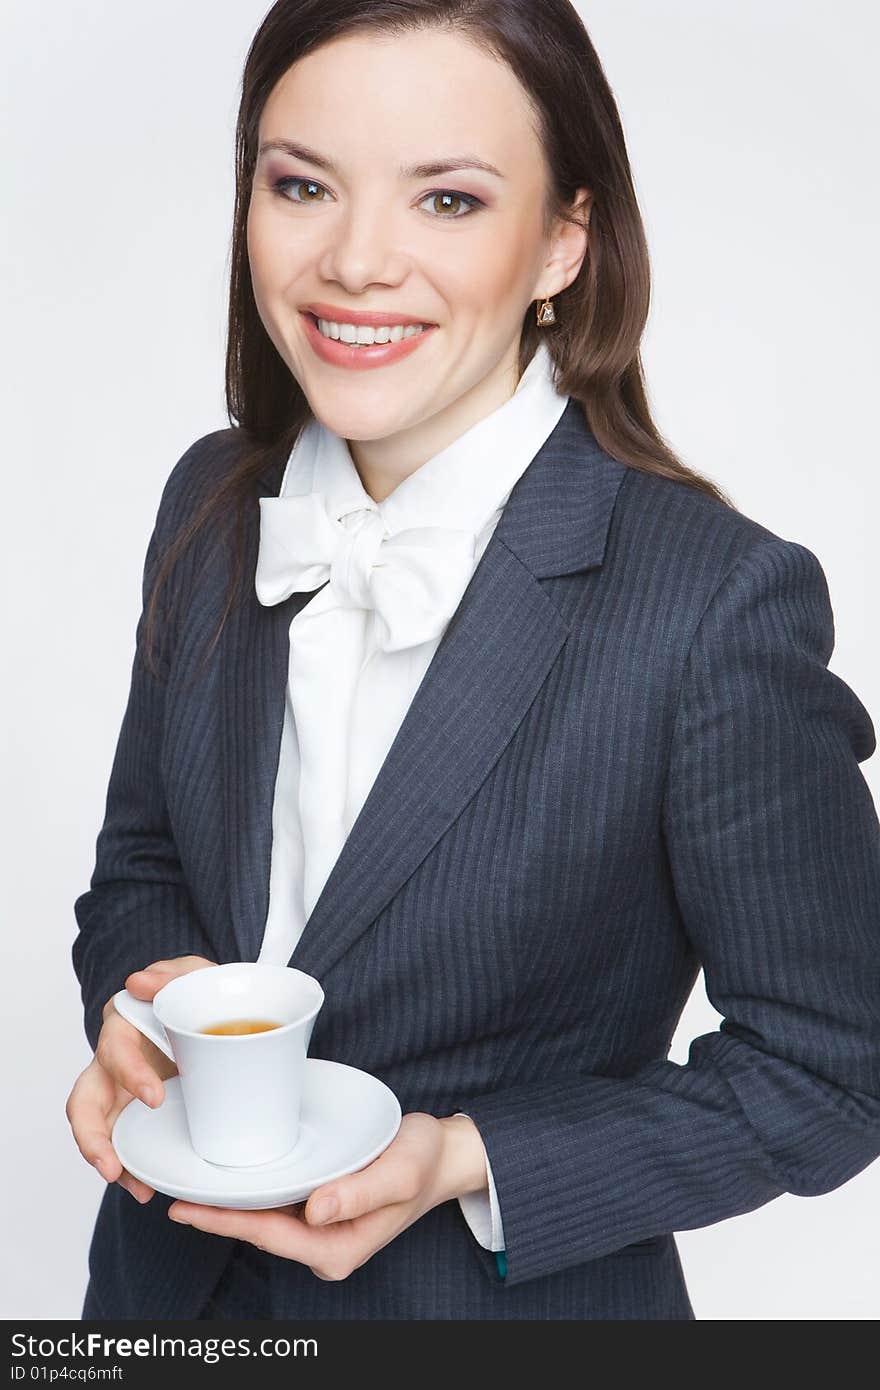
point(601, 315)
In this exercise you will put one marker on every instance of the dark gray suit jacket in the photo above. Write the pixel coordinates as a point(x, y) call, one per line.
point(627, 759)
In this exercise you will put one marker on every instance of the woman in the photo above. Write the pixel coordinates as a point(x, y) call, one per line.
point(456, 689)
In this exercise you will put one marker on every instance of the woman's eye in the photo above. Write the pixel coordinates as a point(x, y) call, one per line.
point(450, 202)
point(281, 186)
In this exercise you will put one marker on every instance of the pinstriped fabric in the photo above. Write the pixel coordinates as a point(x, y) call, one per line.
point(771, 839)
point(245, 1286)
point(627, 758)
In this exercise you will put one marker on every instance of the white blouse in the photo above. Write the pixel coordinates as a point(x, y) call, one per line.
point(360, 647)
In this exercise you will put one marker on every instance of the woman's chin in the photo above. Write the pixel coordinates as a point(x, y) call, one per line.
point(358, 422)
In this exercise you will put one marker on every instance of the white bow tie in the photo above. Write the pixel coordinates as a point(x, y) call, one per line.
point(414, 580)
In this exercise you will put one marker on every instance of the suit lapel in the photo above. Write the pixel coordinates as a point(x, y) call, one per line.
point(490, 664)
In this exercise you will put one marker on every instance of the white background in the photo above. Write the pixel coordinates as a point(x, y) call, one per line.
point(750, 130)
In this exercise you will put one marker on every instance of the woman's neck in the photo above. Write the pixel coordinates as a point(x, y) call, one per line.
point(382, 464)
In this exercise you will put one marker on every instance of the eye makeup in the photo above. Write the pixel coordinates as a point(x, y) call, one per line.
point(282, 184)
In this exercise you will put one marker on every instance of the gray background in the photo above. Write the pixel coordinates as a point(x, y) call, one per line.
point(749, 128)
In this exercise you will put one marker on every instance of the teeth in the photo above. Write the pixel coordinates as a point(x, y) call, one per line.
point(363, 336)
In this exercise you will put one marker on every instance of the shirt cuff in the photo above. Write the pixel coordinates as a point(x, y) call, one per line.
point(482, 1212)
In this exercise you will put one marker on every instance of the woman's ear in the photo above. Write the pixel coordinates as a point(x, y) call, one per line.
point(568, 247)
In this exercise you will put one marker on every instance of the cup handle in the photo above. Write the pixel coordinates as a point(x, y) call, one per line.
point(140, 1012)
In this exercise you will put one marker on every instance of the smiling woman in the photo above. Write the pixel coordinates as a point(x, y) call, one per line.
point(508, 722)
point(463, 258)
point(436, 163)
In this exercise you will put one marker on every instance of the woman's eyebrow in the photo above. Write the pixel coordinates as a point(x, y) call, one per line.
point(412, 171)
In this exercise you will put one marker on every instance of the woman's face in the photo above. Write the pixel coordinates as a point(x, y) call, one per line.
point(355, 228)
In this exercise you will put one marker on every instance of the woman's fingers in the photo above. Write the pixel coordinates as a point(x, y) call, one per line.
point(143, 984)
point(87, 1112)
point(127, 1054)
point(125, 1064)
point(129, 1059)
point(92, 1109)
point(139, 1190)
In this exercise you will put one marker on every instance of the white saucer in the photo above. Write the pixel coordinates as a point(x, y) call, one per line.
point(348, 1117)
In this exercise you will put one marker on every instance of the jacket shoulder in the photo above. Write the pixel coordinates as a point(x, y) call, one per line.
point(196, 475)
point(695, 537)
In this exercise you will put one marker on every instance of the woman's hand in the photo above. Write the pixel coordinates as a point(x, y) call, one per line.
point(125, 1064)
point(429, 1161)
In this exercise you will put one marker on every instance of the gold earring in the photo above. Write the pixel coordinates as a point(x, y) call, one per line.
point(545, 312)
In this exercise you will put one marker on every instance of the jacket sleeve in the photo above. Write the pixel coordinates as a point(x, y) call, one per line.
point(774, 849)
point(138, 908)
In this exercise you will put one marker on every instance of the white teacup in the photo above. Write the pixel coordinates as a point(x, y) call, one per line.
point(241, 1092)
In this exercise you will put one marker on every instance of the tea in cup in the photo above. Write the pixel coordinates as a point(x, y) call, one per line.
point(239, 1034)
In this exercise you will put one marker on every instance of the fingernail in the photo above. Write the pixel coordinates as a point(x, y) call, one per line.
point(148, 1095)
point(181, 1220)
point(325, 1209)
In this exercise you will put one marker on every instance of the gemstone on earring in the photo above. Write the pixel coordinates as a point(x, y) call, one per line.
point(546, 313)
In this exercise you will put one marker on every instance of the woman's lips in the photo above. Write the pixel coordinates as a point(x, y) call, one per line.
point(360, 358)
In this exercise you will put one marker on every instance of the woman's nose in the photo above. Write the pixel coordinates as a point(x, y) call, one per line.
point(364, 247)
